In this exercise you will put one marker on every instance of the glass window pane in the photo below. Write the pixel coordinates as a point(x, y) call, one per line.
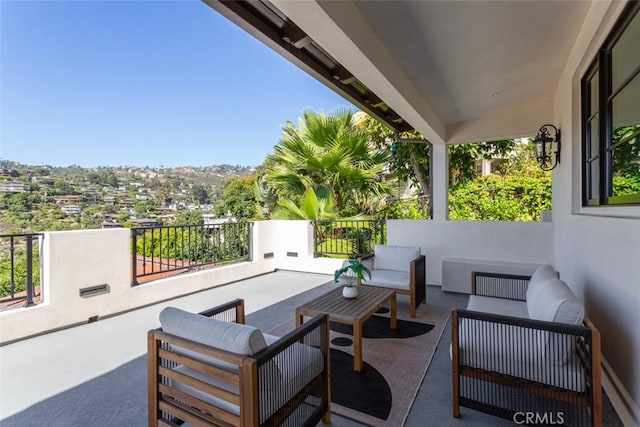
point(625, 55)
point(593, 179)
point(594, 137)
point(626, 109)
point(625, 158)
point(626, 165)
point(593, 89)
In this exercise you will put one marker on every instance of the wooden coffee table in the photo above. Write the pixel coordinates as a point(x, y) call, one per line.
point(352, 312)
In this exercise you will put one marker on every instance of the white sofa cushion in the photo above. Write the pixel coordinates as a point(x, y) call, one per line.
point(234, 337)
point(296, 367)
point(203, 395)
point(515, 351)
point(288, 380)
point(542, 274)
point(396, 258)
point(389, 279)
point(501, 306)
point(557, 303)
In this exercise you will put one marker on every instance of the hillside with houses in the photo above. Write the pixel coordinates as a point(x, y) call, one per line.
point(45, 198)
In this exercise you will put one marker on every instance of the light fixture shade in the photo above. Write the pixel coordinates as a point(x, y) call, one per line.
point(548, 147)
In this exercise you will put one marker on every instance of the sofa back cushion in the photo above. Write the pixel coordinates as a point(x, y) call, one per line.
point(233, 337)
point(396, 258)
point(557, 304)
point(535, 289)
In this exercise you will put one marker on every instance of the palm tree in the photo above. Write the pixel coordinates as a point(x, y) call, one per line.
point(327, 150)
point(314, 205)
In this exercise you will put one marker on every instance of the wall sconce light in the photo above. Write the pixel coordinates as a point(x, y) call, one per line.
point(545, 139)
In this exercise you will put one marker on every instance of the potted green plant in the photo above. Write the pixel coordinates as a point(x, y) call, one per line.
point(351, 271)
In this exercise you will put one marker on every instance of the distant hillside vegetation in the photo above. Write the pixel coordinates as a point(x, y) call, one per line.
point(44, 198)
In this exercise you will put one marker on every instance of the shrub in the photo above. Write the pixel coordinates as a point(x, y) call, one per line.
point(496, 198)
point(20, 273)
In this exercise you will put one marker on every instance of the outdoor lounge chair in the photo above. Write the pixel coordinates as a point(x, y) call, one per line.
point(211, 369)
point(523, 348)
point(401, 268)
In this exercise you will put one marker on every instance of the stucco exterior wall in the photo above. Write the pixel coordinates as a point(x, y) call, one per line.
point(292, 245)
point(73, 260)
point(519, 242)
point(597, 250)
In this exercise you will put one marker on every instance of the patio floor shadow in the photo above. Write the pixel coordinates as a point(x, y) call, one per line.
point(119, 397)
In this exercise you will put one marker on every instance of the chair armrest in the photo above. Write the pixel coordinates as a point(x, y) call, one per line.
point(302, 334)
point(302, 354)
point(498, 285)
point(232, 311)
point(522, 322)
point(367, 260)
point(419, 260)
point(496, 332)
point(416, 266)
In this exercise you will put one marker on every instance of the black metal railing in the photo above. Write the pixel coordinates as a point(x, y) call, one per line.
point(350, 238)
point(161, 250)
point(19, 268)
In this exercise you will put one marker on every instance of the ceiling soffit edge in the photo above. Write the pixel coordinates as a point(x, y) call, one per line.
point(371, 60)
point(515, 121)
point(268, 24)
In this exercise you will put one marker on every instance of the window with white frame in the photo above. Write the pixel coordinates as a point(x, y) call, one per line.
point(611, 117)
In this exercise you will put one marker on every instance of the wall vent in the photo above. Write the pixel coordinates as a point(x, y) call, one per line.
point(268, 255)
point(293, 254)
point(93, 291)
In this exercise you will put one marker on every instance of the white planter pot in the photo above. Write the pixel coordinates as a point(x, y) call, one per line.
point(350, 292)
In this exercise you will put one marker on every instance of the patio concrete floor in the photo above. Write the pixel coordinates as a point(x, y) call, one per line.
point(95, 374)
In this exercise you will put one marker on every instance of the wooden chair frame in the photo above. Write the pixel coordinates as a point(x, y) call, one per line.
point(168, 404)
point(417, 282)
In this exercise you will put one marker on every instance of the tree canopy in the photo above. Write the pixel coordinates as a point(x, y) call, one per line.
point(239, 199)
point(327, 150)
point(410, 161)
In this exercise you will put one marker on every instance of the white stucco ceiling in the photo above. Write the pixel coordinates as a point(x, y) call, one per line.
point(468, 57)
point(463, 60)
point(457, 70)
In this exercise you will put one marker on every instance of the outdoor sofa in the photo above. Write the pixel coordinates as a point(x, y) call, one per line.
point(211, 369)
point(401, 268)
point(523, 348)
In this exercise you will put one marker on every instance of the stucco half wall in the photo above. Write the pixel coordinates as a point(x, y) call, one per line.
point(518, 242)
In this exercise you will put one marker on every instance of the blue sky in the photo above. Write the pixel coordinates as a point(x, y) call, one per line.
point(148, 83)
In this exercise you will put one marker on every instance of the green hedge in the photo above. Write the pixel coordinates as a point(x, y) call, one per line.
point(500, 198)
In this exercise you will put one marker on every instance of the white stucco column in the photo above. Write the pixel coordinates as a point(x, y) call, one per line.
point(440, 163)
